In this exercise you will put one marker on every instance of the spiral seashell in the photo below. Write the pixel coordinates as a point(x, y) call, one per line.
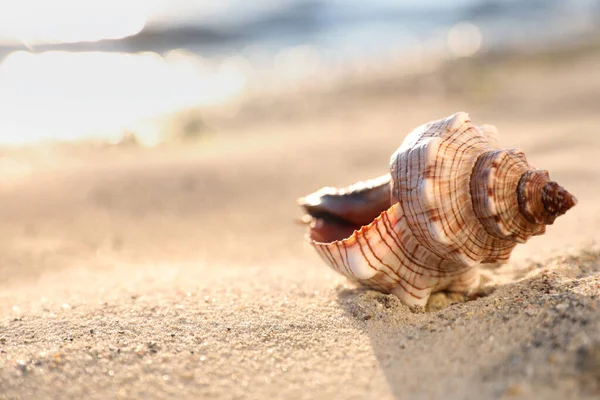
point(451, 201)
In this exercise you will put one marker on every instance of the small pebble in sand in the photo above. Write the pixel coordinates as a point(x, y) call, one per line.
point(187, 375)
point(57, 357)
point(531, 310)
point(140, 351)
point(22, 367)
point(562, 306)
point(514, 390)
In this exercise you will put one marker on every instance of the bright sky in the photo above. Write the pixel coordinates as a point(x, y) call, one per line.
point(55, 21)
point(69, 95)
point(38, 21)
point(66, 96)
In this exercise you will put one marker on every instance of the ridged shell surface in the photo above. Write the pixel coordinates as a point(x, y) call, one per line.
point(455, 200)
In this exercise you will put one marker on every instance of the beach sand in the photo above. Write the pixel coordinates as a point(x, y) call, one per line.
point(179, 272)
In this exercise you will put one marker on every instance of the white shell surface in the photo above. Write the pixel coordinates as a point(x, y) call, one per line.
point(454, 206)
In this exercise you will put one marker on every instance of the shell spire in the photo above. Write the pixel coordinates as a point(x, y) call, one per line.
point(541, 200)
point(451, 201)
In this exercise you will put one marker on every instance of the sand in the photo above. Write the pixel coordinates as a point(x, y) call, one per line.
point(179, 271)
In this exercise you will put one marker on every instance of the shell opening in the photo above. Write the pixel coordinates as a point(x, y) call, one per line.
point(334, 214)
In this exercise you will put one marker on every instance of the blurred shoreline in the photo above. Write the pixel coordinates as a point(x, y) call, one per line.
point(207, 74)
point(483, 77)
point(259, 98)
point(339, 28)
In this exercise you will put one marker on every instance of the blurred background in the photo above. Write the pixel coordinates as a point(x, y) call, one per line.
point(148, 131)
point(108, 70)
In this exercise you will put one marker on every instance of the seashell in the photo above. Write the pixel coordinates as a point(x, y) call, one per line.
point(452, 201)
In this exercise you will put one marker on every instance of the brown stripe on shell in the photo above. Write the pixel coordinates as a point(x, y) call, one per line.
point(494, 185)
point(456, 201)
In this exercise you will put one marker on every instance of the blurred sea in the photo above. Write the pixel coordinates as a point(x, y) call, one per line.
point(194, 55)
point(342, 29)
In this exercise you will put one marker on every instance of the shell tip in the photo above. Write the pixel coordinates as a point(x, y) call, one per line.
point(556, 199)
